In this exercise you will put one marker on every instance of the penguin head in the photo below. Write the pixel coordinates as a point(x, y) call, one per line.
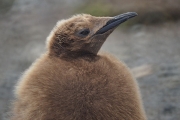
point(82, 34)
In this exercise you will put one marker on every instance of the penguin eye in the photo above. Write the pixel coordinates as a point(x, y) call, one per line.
point(83, 32)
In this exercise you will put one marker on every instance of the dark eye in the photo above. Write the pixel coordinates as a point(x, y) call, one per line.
point(83, 32)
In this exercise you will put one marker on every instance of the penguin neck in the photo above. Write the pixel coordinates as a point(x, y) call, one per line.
point(72, 55)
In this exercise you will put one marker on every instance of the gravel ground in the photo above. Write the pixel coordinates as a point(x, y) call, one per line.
point(24, 29)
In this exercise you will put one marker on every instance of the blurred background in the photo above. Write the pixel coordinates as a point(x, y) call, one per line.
point(149, 44)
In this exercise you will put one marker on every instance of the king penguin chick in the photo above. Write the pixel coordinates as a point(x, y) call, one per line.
point(72, 81)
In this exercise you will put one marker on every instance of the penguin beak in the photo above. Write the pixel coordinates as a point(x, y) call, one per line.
point(115, 21)
point(103, 31)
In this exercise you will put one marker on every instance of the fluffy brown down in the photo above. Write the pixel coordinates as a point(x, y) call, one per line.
point(84, 88)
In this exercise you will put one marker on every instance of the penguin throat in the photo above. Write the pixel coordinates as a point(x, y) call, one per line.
point(67, 54)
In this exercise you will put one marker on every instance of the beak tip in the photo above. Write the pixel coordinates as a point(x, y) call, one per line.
point(133, 13)
point(136, 14)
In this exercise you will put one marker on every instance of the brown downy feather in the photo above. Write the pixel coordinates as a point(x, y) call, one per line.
point(69, 82)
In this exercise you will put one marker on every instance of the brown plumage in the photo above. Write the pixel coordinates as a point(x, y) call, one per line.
point(72, 82)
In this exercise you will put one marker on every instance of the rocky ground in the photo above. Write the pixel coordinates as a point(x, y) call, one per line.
point(25, 26)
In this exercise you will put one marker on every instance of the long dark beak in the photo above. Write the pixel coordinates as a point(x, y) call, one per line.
point(115, 21)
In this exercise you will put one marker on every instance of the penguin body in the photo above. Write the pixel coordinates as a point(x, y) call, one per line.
point(71, 82)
